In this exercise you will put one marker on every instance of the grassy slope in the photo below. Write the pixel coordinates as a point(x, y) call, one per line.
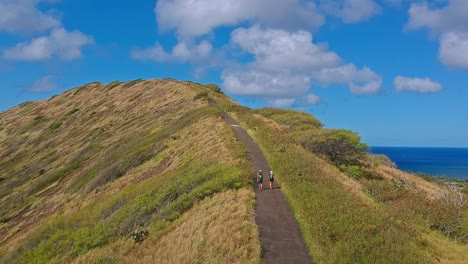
point(341, 221)
point(82, 170)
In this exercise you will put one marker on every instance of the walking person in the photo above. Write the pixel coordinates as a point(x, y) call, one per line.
point(260, 180)
point(272, 179)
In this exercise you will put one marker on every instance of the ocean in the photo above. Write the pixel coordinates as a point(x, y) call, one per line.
point(449, 162)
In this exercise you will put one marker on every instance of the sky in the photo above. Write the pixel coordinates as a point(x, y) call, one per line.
point(394, 71)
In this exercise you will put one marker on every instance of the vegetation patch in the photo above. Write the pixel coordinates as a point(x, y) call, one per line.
point(112, 85)
point(131, 83)
point(200, 95)
point(56, 125)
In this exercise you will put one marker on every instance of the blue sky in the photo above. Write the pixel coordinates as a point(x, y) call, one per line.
point(395, 71)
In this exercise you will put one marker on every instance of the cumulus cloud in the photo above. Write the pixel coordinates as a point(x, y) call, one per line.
point(450, 22)
point(45, 84)
point(451, 17)
point(282, 103)
point(312, 99)
point(182, 53)
point(453, 49)
point(285, 65)
point(351, 11)
point(418, 85)
point(60, 42)
point(274, 49)
point(199, 17)
point(23, 16)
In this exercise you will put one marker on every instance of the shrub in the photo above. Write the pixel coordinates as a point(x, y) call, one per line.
point(139, 234)
point(38, 120)
point(215, 88)
point(131, 83)
point(200, 95)
point(71, 112)
point(352, 171)
point(112, 85)
point(340, 146)
point(381, 159)
point(445, 212)
point(291, 118)
point(56, 125)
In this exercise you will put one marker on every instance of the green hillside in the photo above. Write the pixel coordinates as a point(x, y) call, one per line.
point(148, 172)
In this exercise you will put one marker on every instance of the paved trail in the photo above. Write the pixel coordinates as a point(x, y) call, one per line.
point(281, 238)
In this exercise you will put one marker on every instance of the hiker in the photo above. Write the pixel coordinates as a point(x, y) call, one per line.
point(260, 180)
point(272, 179)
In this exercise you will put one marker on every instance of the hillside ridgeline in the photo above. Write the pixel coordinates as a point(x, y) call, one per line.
point(148, 172)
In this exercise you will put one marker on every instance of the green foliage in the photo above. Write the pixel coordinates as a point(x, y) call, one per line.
point(200, 95)
point(112, 85)
point(139, 234)
point(381, 159)
point(159, 200)
point(337, 225)
point(340, 146)
point(131, 83)
point(352, 171)
point(446, 213)
point(27, 103)
point(39, 119)
point(58, 175)
point(215, 88)
point(291, 118)
point(71, 112)
point(56, 125)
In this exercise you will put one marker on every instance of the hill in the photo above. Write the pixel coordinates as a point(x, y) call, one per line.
point(84, 174)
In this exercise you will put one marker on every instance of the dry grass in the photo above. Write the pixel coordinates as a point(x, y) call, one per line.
point(219, 229)
point(432, 190)
point(111, 132)
point(444, 250)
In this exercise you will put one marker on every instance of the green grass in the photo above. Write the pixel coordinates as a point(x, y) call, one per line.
point(131, 83)
point(112, 85)
point(157, 202)
point(338, 225)
point(56, 125)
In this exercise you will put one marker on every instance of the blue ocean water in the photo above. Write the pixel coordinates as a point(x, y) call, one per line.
point(450, 162)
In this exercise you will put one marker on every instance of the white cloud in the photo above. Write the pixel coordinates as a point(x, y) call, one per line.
point(60, 42)
point(199, 17)
point(450, 22)
point(451, 17)
point(453, 49)
point(45, 84)
point(251, 81)
point(285, 65)
point(364, 81)
point(23, 16)
point(282, 103)
point(312, 99)
point(275, 49)
point(418, 85)
point(351, 11)
point(181, 53)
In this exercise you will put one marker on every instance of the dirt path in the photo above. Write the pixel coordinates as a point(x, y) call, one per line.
point(281, 238)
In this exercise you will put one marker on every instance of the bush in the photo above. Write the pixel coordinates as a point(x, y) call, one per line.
point(352, 171)
point(201, 95)
point(340, 146)
point(215, 88)
point(71, 112)
point(445, 212)
point(139, 234)
point(291, 118)
point(56, 125)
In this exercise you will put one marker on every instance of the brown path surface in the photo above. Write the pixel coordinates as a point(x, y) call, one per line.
point(281, 238)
